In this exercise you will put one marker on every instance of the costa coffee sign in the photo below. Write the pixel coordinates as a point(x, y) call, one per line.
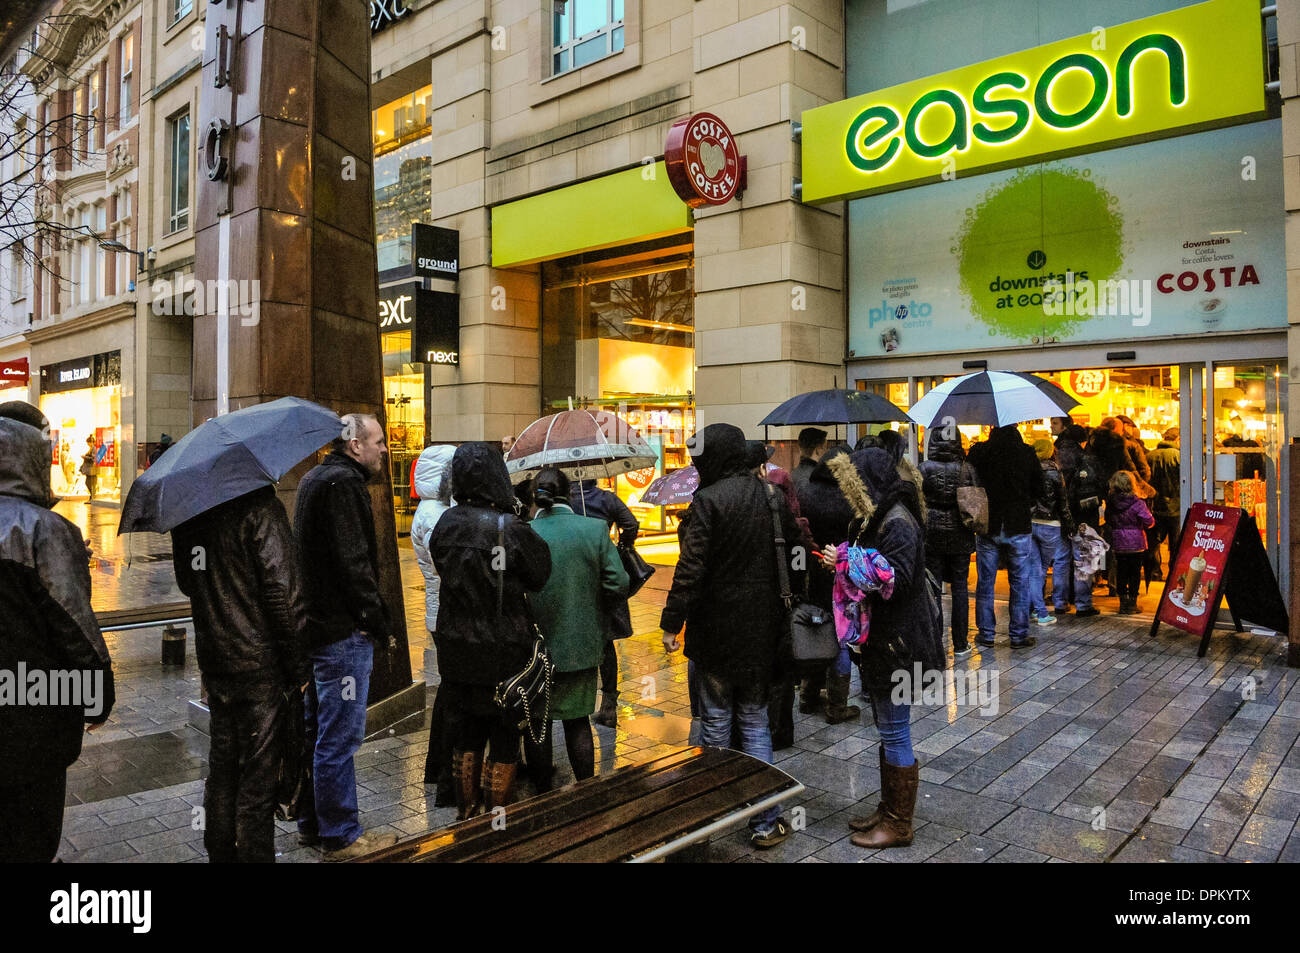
point(704, 164)
point(14, 372)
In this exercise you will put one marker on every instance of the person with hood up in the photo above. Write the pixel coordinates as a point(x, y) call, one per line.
point(485, 626)
point(948, 542)
point(251, 647)
point(727, 593)
point(587, 579)
point(1052, 529)
point(47, 625)
point(906, 630)
point(431, 480)
point(812, 445)
point(586, 498)
point(828, 514)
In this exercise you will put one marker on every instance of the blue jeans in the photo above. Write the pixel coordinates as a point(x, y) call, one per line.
point(719, 701)
point(894, 724)
point(1053, 550)
point(336, 718)
point(1020, 553)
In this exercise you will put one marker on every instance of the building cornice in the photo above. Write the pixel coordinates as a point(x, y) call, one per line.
point(86, 322)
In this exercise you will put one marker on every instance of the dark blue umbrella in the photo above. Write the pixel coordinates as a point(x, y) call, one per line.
point(835, 406)
point(224, 458)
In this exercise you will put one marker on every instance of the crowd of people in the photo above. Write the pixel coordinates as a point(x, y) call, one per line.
point(289, 615)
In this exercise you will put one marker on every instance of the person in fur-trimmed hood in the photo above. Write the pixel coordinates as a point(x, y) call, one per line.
point(905, 629)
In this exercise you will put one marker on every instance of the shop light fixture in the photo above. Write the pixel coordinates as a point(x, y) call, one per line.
point(659, 325)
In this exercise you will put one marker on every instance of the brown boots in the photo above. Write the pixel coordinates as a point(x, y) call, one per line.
point(480, 783)
point(838, 708)
point(891, 825)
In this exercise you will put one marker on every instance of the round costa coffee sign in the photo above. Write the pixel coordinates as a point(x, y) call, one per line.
point(703, 160)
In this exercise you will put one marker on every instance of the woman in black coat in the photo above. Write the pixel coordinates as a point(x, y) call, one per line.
point(822, 504)
point(906, 629)
point(485, 630)
point(948, 541)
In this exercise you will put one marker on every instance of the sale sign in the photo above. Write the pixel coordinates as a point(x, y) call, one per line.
point(1196, 580)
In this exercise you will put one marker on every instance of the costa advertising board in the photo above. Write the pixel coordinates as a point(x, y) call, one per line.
point(1191, 68)
point(704, 163)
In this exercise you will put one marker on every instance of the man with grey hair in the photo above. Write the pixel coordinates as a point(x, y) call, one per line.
point(345, 619)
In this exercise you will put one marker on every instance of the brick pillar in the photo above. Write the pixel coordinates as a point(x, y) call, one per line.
point(110, 263)
point(38, 273)
point(113, 87)
point(769, 310)
point(63, 130)
point(103, 106)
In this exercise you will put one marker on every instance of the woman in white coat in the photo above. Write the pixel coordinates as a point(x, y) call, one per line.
point(433, 485)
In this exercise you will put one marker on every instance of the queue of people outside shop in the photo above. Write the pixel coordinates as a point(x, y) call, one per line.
point(288, 616)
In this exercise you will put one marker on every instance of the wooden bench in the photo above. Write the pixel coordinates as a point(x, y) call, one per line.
point(637, 814)
point(118, 619)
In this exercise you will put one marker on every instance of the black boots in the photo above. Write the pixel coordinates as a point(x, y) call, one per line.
point(467, 772)
point(608, 714)
point(838, 708)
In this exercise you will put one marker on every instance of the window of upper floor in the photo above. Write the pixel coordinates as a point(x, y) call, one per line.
point(584, 31)
point(178, 172)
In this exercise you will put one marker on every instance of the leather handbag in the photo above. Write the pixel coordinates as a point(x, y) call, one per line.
point(973, 503)
point(638, 570)
point(525, 697)
point(812, 629)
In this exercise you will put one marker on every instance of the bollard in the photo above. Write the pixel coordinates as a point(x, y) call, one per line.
point(173, 646)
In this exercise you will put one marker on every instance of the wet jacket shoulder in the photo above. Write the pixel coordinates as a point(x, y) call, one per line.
point(432, 482)
point(725, 587)
point(477, 645)
point(237, 564)
point(1009, 472)
point(46, 621)
point(337, 554)
point(941, 475)
point(1054, 505)
point(588, 499)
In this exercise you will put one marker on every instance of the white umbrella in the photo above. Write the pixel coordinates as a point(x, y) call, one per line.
point(992, 399)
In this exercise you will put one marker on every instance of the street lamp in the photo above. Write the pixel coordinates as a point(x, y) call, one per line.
point(112, 244)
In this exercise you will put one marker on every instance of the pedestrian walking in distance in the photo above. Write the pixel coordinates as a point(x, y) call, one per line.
point(46, 625)
point(236, 563)
point(726, 593)
point(485, 627)
point(346, 619)
point(587, 580)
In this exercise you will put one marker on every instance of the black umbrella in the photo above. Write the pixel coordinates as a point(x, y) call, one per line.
point(993, 399)
point(224, 458)
point(835, 406)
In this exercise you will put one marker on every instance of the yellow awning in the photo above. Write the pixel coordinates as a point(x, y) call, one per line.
point(634, 205)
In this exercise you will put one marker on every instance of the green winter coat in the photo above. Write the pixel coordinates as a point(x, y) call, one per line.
point(586, 577)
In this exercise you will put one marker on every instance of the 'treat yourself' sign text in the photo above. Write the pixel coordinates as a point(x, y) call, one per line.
point(1192, 68)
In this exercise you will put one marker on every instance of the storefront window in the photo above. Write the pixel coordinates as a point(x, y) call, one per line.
point(618, 332)
point(402, 136)
point(404, 406)
point(83, 401)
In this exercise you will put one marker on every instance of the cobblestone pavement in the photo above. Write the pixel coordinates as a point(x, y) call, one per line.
point(1100, 744)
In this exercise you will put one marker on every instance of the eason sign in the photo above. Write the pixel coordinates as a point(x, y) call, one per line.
point(1193, 68)
point(704, 163)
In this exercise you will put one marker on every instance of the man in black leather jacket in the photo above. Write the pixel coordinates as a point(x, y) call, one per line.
point(346, 618)
point(236, 563)
point(46, 625)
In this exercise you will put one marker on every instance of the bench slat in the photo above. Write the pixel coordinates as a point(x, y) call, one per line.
point(543, 813)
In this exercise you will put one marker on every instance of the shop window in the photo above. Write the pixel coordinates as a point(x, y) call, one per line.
point(404, 408)
point(402, 134)
point(583, 31)
point(618, 333)
point(178, 197)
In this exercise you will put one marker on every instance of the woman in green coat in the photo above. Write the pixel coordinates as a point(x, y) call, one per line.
point(572, 609)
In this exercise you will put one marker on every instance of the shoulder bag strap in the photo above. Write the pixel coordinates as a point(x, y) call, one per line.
point(501, 573)
point(782, 573)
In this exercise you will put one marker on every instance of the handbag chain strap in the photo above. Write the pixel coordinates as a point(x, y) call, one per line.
point(782, 572)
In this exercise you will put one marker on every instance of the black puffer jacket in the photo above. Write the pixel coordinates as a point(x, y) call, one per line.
point(476, 644)
point(907, 627)
point(46, 623)
point(236, 563)
point(1055, 504)
point(1111, 453)
point(1069, 450)
point(945, 533)
point(725, 589)
point(337, 555)
point(1009, 472)
point(822, 504)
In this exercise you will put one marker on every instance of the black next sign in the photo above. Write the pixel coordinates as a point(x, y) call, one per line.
point(432, 317)
point(435, 251)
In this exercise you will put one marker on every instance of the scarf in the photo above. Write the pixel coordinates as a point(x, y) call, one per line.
point(859, 573)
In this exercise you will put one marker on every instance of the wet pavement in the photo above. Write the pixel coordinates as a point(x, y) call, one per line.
point(1100, 744)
